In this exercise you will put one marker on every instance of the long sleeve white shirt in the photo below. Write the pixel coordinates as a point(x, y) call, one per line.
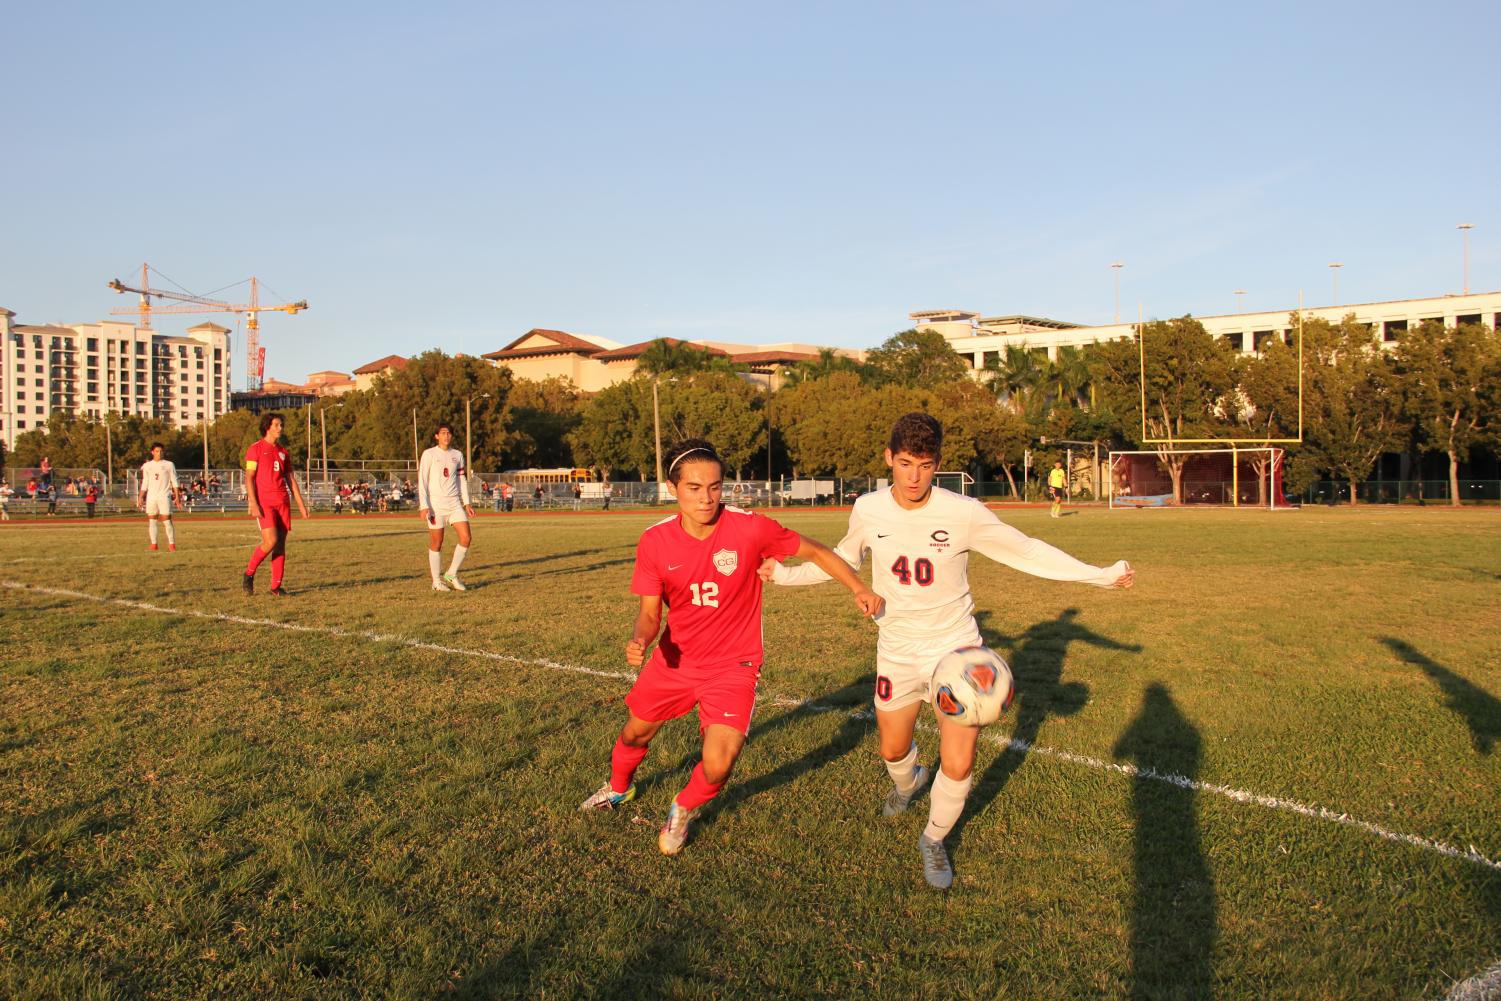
point(441, 483)
point(920, 560)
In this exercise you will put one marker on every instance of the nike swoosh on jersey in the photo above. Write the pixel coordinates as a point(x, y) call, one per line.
point(679, 566)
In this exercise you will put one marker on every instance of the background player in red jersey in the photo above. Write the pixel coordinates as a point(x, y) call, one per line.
point(270, 487)
point(701, 563)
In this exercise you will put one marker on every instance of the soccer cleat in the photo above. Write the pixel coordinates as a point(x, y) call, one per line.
point(675, 831)
point(171, 547)
point(897, 803)
point(453, 582)
point(153, 547)
point(438, 585)
point(935, 863)
point(247, 582)
point(607, 799)
point(279, 591)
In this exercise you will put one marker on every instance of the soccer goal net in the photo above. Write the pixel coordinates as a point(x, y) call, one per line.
point(1227, 477)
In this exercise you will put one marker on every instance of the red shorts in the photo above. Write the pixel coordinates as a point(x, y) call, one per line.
point(724, 693)
point(276, 516)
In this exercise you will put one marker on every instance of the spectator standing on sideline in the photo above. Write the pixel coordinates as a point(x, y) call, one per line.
point(510, 496)
point(578, 496)
point(6, 493)
point(91, 497)
point(607, 493)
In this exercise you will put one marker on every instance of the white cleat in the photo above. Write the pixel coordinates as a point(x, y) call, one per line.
point(453, 582)
point(438, 585)
point(675, 831)
point(896, 802)
point(606, 798)
point(935, 863)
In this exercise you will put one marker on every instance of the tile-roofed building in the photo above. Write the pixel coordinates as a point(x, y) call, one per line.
point(365, 375)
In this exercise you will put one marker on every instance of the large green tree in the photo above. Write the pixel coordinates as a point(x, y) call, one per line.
point(720, 407)
point(917, 359)
point(539, 416)
point(838, 425)
point(1450, 381)
point(1188, 386)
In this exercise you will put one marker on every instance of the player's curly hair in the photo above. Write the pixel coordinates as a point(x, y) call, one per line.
point(918, 434)
point(686, 451)
point(268, 417)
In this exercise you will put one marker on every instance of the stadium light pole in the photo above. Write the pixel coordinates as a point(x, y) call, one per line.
point(1238, 300)
point(1334, 270)
point(307, 461)
point(1116, 267)
point(656, 424)
point(323, 430)
point(109, 458)
point(468, 448)
point(1464, 229)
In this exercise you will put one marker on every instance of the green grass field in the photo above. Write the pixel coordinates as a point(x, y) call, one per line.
point(1273, 769)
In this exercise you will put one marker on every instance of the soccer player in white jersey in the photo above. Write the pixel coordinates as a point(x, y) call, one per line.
point(920, 537)
point(443, 497)
point(158, 490)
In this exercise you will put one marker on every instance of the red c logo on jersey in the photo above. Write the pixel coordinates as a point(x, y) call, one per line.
point(445, 472)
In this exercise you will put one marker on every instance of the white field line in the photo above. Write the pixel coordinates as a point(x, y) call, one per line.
point(1471, 854)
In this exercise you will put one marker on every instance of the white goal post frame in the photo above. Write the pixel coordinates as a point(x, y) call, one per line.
point(1235, 452)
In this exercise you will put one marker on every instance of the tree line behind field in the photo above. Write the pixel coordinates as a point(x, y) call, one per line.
point(1438, 391)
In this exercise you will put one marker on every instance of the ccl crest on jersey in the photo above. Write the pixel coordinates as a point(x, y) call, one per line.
point(725, 561)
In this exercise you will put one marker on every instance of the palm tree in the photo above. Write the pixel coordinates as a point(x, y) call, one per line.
point(1068, 377)
point(670, 356)
point(828, 362)
point(1015, 376)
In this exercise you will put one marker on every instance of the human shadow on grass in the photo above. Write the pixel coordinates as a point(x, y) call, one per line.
point(1173, 920)
point(1480, 710)
point(1036, 658)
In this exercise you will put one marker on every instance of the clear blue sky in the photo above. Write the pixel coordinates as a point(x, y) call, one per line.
point(758, 172)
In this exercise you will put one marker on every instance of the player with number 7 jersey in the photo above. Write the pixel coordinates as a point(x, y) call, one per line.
point(701, 565)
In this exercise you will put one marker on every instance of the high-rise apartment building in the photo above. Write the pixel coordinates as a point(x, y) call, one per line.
point(97, 368)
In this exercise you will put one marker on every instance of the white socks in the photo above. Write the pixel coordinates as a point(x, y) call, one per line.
point(904, 772)
point(151, 528)
point(458, 558)
point(171, 535)
point(945, 803)
point(435, 563)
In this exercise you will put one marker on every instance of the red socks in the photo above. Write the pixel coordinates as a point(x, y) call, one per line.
point(698, 791)
point(256, 555)
point(278, 564)
point(623, 763)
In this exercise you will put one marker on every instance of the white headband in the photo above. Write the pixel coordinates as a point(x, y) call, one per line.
point(680, 458)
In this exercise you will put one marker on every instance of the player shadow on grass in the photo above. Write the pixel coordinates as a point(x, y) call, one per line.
point(1480, 710)
point(1036, 658)
point(1173, 921)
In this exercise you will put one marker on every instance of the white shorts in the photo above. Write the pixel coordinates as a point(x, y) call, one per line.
point(158, 506)
point(904, 669)
point(441, 517)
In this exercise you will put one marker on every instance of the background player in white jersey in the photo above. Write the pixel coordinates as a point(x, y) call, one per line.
point(920, 537)
point(158, 490)
point(443, 496)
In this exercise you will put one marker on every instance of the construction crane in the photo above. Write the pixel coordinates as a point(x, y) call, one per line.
point(186, 302)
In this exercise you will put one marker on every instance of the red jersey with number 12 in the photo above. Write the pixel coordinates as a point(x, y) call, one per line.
point(271, 473)
point(710, 585)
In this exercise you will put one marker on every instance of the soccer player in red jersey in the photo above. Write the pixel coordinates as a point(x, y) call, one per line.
point(270, 487)
point(701, 564)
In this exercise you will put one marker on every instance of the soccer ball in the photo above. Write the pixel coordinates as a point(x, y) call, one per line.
point(972, 686)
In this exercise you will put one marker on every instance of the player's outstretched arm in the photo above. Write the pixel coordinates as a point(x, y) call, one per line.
point(648, 623)
point(1004, 544)
point(834, 565)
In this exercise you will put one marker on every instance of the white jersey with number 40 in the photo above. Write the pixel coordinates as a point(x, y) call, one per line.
point(920, 560)
point(441, 483)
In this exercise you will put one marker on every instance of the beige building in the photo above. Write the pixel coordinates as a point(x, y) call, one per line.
point(980, 339)
point(365, 375)
point(97, 368)
point(594, 363)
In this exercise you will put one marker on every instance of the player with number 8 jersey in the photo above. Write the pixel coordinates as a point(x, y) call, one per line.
point(701, 565)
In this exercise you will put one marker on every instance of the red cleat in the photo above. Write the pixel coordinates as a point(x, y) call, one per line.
point(171, 547)
point(153, 547)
